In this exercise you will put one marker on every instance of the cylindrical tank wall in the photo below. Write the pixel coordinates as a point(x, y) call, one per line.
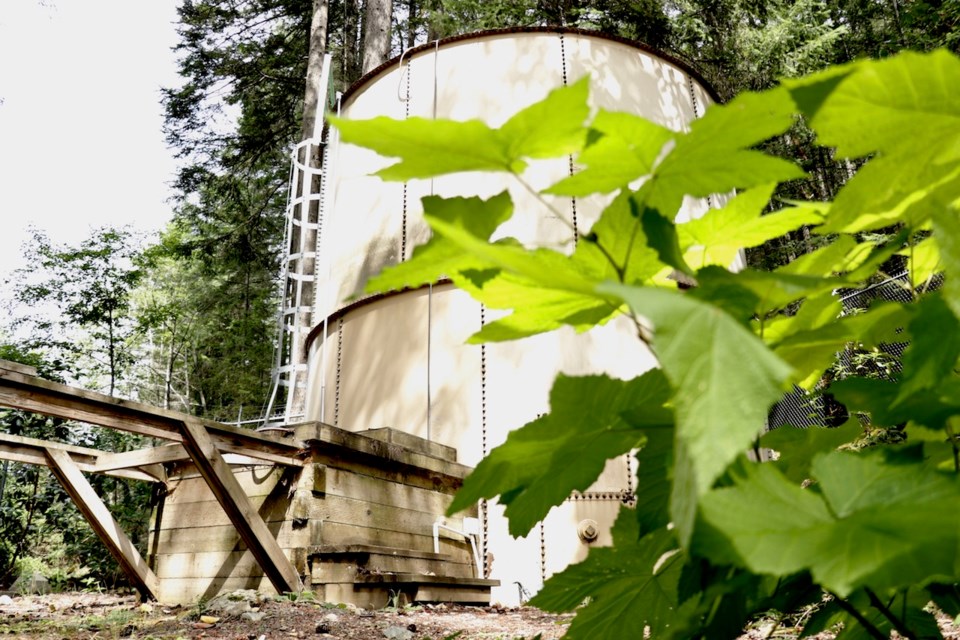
point(401, 360)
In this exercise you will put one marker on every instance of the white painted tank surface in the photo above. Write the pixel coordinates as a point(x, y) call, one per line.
point(400, 360)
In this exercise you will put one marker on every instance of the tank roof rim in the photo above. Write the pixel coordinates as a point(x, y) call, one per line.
point(688, 68)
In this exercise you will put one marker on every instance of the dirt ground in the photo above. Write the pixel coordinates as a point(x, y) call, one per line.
point(66, 616)
point(96, 615)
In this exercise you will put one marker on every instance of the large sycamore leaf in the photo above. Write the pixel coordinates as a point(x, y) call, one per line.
point(909, 100)
point(720, 234)
point(625, 149)
point(946, 230)
point(541, 463)
point(881, 518)
point(905, 110)
point(428, 148)
point(616, 245)
point(725, 381)
point(716, 155)
point(632, 587)
point(934, 348)
point(439, 257)
point(796, 447)
point(811, 351)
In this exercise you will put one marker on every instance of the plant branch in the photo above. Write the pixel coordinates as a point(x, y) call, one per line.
point(897, 623)
point(868, 626)
point(953, 444)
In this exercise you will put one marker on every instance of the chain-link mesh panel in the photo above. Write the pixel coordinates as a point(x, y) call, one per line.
point(801, 409)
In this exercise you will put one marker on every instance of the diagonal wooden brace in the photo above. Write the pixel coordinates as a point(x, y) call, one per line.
point(235, 502)
point(99, 517)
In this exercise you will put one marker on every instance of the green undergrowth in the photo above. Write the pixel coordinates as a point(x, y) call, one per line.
point(717, 541)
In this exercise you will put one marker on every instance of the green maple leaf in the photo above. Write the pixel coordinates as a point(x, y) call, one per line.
point(439, 257)
point(798, 446)
point(718, 414)
point(909, 100)
point(946, 229)
point(552, 127)
point(625, 149)
point(716, 155)
point(719, 235)
point(849, 535)
point(632, 586)
point(541, 463)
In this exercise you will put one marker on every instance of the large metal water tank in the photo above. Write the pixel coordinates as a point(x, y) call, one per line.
point(400, 360)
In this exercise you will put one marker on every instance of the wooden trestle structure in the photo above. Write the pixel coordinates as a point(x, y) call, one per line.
point(351, 516)
point(202, 442)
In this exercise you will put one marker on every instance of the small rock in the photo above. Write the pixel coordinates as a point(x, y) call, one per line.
point(331, 617)
point(253, 616)
point(35, 583)
point(5, 599)
point(209, 619)
point(394, 632)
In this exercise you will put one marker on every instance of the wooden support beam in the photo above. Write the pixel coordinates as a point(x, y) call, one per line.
point(99, 517)
point(238, 507)
point(19, 390)
point(33, 451)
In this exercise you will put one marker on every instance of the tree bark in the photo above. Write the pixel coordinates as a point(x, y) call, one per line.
point(376, 33)
point(351, 50)
point(317, 47)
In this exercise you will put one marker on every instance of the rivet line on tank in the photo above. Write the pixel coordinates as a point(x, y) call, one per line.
point(573, 199)
point(336, 401)
point(543, 554)
point(483, 435)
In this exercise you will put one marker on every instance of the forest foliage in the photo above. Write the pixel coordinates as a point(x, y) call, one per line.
point(717, 539)
point(191, 322)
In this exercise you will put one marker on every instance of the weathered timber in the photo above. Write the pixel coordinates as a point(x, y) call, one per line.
point(33, 451)
point(251, 527)
point(30, 393)
point(325, 533)
point(330, 440)
point(344, 483)
point(102, 522)
point(19, 368)
point(412, 442)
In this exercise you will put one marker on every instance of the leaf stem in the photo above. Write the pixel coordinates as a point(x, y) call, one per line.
point(539, 196)
point(897, 623)
point(953, 443)
point(868, 626)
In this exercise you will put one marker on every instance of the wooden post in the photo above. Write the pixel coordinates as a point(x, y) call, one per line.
point(244, 516)
point(99, 517)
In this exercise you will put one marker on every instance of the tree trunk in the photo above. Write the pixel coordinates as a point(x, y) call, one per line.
point(351, 49)
point(317, 46)
point(376, 33)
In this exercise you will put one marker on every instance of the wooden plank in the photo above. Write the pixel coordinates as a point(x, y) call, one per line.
point(340, 482)
point(380, 516)
point(215, 538)
point(253, 530)
point(33, 451)
point(324, 533)
point(30, 393)
point(256, 482)
point(209, 514)
point(102, 522)
point(140, 457)
point(214, 564)
point(19, 368)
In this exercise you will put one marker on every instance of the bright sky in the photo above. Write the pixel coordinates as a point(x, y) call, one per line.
point(81, 144)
